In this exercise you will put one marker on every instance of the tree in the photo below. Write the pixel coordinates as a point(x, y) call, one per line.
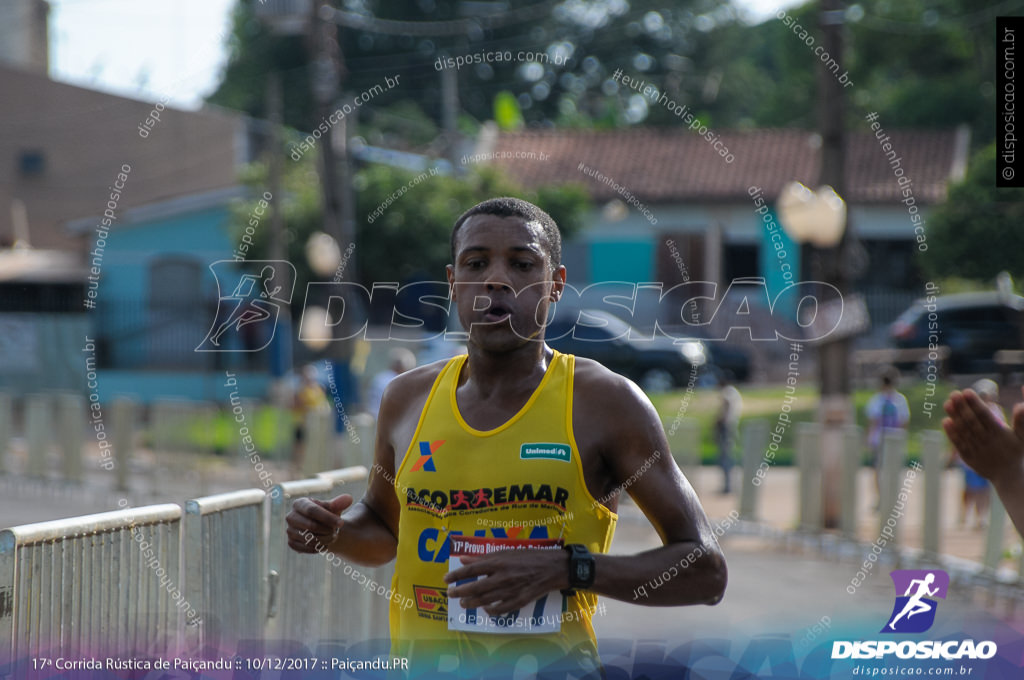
point(976, 233)
point(577, 47)
point(404, 219)
point(918, 63)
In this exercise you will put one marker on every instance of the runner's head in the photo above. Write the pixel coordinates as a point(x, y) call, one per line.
point(505, 272)
point(890, 376)
point(524, 210)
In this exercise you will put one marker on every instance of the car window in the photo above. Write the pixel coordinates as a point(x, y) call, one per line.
point(910, 316)
point(976, 317)
point(558, 329)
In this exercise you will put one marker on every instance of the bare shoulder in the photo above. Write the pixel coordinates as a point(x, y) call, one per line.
point(616, 426)
point(400, 407)
point(411, 387)
point(597, 389)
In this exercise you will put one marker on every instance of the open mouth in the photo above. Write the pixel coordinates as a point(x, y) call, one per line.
point(496, 313)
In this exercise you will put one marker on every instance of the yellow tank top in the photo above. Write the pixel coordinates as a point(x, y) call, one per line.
point(521, 480)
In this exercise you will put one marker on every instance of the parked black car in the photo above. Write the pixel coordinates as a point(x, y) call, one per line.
point(656, 365)
point(973, 325)
point(725, 361)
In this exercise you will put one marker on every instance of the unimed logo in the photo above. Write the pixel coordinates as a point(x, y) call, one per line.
point(541, 450)
point(914, 612)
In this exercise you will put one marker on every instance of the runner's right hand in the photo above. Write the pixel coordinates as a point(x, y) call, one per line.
point(314, 522)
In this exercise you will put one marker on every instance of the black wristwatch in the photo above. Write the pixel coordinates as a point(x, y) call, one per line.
point(581, 569)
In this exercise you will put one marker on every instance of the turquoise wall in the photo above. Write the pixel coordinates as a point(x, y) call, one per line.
point(130, 249)
point(625, 260)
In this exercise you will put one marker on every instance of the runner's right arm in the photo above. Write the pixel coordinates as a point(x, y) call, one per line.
point(367, 532)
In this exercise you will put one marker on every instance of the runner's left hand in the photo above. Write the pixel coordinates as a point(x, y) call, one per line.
point(514, 578)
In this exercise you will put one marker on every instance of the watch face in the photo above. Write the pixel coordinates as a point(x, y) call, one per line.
point(583, 571)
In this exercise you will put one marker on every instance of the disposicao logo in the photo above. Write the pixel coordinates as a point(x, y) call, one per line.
point(540, 450)
point(918, 587)
point(914, 612)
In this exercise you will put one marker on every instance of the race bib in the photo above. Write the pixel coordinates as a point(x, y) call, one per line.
point(543, 615)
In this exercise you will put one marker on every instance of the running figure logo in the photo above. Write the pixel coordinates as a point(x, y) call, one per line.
point(914, 611)
point(246, 319)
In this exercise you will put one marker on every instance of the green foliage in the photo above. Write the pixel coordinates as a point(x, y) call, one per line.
point(403, 219)
point(254, 52)
point(926, 63)
point(918, 63)
point(506, 111)
point(411, 237)
point(301, 212)
point(951, 285)
point(400, 124)
point(976, 233)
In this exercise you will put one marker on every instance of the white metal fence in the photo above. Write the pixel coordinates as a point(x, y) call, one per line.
point(155, 580)
point(304, 582)
point(225, 565)
point(86, 583)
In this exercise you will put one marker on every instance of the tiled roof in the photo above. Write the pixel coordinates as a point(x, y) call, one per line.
point(668, 166)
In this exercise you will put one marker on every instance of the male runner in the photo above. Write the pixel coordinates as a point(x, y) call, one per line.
point(515, 440)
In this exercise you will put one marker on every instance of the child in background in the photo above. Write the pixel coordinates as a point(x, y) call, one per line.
point(309, 397)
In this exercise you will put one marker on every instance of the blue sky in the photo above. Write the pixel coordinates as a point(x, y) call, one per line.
point(166, 49)
point(146, 49)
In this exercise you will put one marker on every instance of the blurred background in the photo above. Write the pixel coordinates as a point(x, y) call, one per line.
point(196, 199)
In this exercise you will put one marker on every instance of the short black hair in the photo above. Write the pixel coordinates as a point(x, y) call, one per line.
point(507, 206)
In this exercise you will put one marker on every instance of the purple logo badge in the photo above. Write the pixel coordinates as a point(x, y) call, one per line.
point(914, 611)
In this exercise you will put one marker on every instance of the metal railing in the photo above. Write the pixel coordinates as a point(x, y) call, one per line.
point(156, 580)
point(90, 584)
point(314, 579)
point(59, 432)
point(929, 480)
point(225, 564)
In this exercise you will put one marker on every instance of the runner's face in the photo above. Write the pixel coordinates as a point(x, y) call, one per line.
point(502, 264)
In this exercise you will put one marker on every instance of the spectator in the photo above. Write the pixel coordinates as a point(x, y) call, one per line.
point(308, 398)
point(727, 428)
point(886, 410)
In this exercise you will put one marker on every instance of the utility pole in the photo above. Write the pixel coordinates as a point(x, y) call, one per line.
point(449, 116)
point(328, 69)
point(282, 336)
point(836, 405)
point(834, 357)
point(274, 115)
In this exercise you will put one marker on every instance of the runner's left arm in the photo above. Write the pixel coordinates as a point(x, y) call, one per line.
point(689, 568)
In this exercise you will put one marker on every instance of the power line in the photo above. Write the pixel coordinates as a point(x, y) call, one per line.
point(436, 28)
point(884, 24)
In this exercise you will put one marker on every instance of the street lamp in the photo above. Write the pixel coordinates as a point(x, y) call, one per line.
point(818, 218)
point(315, 328)
point(323, 254)
point(815, 217)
